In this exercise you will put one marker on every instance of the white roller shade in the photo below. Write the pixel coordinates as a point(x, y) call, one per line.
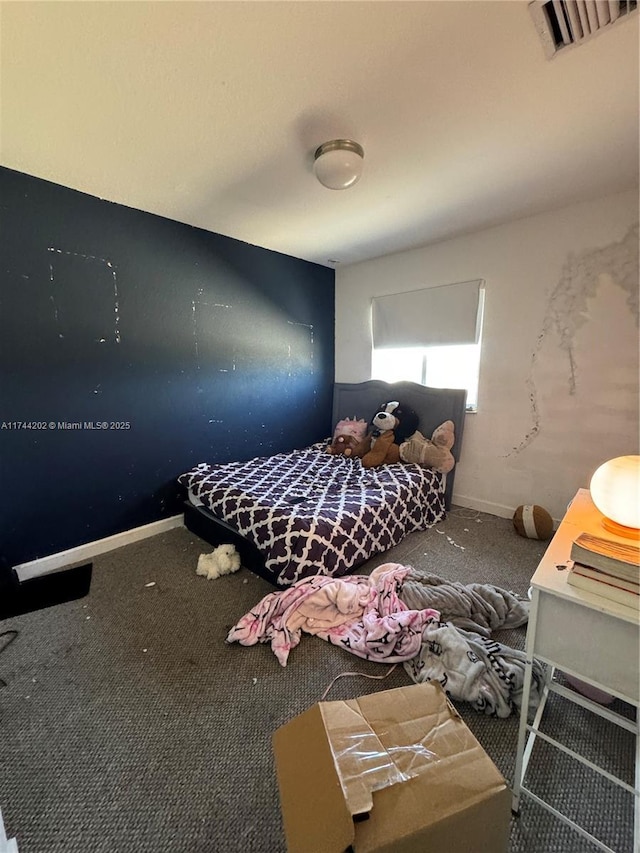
point(433, 316)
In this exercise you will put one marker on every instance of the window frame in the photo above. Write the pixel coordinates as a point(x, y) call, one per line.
point(425, 347)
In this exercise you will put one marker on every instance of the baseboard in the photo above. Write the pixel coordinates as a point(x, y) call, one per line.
point(491, 508)
point(52, 563)
point(483, 506)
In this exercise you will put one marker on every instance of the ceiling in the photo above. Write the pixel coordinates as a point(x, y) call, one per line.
point(209, 113)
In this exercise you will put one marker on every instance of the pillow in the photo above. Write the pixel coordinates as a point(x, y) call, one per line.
point(434, 452)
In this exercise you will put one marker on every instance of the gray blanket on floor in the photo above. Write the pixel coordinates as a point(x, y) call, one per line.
point(458, 651)
point(478, 607)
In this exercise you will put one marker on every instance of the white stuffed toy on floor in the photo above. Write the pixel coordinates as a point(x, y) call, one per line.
point(223, 561)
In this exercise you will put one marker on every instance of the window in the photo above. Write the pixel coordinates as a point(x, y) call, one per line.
point(438, 367)
point(430, 336)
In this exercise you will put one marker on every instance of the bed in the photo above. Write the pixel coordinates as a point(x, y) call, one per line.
point(306, 512)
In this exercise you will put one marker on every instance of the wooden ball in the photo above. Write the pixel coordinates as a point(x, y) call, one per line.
point(533, 522)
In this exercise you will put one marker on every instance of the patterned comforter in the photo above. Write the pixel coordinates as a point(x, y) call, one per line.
point(311, 513)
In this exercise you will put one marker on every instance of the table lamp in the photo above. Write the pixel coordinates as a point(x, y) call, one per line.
point(615, 490)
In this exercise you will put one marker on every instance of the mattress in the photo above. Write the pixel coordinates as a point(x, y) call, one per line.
point(309, 512)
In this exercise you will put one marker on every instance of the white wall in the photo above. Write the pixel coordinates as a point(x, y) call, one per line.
point(558, 390)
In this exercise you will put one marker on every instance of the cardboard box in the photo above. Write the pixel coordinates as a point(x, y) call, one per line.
point(391, 772)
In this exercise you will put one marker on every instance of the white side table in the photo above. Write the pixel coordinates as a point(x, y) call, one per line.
point(584, 635)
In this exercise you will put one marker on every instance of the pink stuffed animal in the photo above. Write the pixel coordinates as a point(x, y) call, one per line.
point(346, 436)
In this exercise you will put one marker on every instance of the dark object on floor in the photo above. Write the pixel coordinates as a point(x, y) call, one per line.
point(18, 597)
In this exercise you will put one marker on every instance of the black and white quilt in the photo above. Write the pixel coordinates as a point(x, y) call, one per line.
point(311, 513)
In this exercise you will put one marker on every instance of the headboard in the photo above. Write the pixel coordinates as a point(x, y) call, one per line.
point(432, 405)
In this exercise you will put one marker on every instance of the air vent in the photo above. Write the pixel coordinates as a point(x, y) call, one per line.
point(563, 23)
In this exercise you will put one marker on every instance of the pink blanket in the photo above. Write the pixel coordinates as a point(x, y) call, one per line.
point(363, 614)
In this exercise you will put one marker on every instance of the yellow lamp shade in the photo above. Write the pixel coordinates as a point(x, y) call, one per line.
point(615, 490)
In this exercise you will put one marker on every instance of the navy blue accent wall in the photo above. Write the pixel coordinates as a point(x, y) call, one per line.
point(137, 347)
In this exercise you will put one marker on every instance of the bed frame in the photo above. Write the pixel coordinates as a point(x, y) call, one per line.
point(360, 400)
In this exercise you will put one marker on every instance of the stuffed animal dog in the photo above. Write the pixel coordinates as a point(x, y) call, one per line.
point(222, 561)
point(392, 424)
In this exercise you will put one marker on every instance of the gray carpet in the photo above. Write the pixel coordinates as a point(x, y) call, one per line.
point(129, 725)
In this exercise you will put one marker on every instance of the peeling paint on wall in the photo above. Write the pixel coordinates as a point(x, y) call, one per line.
point(178, 415)
point(294, 351)
point(197, 305)
point(195, 332)
point(52, 299)
point(568, 311)
point(114, 278)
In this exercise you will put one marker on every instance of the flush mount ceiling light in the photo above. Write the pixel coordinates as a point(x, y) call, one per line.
point(338, 164)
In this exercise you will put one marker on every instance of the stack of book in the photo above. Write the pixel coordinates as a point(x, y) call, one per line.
point(607, 568)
